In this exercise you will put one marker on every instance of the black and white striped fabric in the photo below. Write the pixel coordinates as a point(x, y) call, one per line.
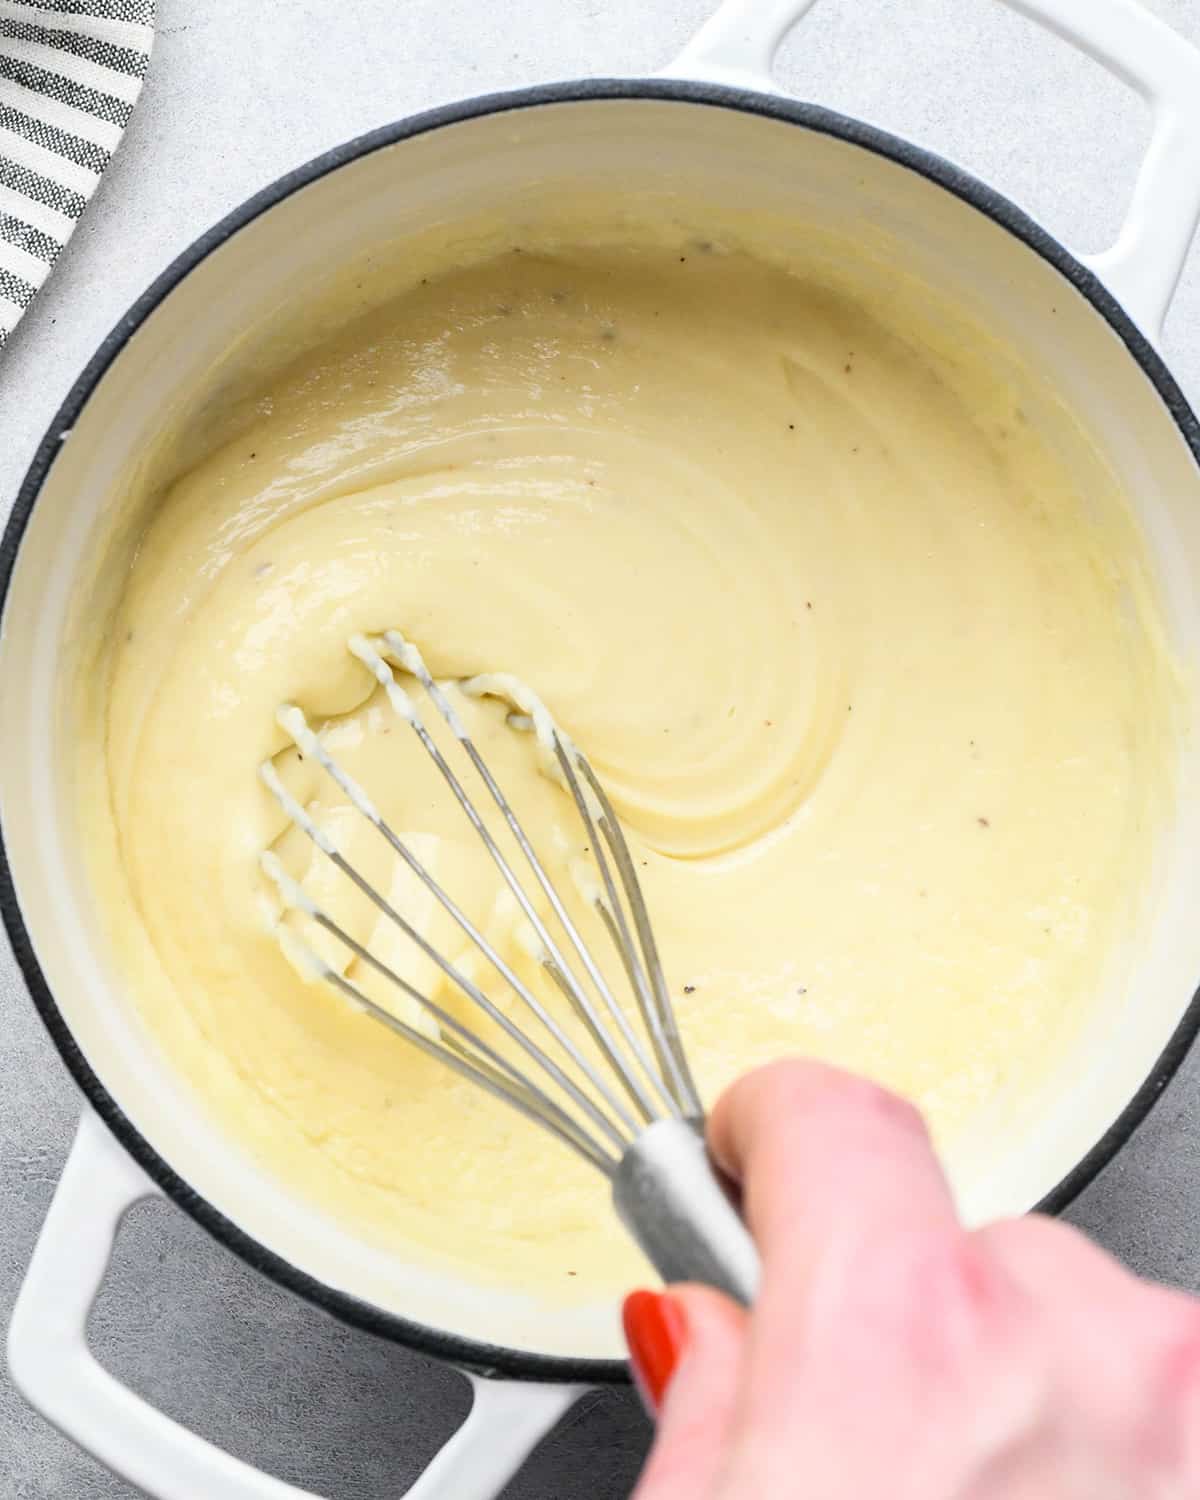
point(70, 73)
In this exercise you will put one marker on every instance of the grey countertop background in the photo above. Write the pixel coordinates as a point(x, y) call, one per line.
point(238, 92)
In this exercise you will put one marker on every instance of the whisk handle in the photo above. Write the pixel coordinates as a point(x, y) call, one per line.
point(672, 1201)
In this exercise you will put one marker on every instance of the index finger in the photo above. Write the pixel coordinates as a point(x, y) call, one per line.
point(848, 1205)
point(832, 1167)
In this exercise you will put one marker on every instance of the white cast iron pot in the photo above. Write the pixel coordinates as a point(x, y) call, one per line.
point(709, 126)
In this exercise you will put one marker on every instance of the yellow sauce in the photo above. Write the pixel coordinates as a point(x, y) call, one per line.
point(875, 690)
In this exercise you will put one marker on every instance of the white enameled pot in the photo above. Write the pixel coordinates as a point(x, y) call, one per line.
point(710, 125)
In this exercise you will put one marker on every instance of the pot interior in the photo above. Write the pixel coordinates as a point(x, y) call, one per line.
point(329, 249)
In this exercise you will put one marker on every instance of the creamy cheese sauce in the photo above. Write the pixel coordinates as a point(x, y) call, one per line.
point(875, 689)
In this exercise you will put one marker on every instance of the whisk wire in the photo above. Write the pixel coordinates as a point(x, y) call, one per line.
point(482, 1058)
point(477, 1061)
point(411, 660)
point(292, 720)
point(518, 1091)
point(675, 1058)
point(659, 1027)
point(555, 964)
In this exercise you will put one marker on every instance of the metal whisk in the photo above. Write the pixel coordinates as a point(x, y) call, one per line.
point(628, 1105)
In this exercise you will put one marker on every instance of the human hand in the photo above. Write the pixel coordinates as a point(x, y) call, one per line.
point(891, 1353)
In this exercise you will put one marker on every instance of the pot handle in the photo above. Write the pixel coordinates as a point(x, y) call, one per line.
point(54, 1370)
point(736, 48)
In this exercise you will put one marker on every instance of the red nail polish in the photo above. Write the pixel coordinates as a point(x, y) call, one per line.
point(656, 1331)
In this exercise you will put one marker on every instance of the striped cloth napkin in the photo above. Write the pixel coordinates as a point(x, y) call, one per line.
point(70, 73)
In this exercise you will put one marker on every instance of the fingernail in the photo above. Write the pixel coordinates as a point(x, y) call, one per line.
point(656, 1331)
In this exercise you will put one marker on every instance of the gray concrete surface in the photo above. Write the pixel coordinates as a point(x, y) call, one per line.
point(239, 91)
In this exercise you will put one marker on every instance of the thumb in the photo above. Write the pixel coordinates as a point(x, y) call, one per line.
point(686, 1345)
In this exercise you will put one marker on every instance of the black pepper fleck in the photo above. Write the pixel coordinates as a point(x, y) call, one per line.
point(689, 989)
